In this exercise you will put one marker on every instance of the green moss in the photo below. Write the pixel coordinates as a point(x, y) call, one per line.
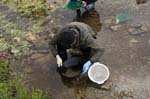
point(14, 89)
point(29, 7)
point(12, 31)
point(3, 45)
point(4, 70)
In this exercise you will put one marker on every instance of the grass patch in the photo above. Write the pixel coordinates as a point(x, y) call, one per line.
point(15, 90)
point(29, 7)
point(4, 70)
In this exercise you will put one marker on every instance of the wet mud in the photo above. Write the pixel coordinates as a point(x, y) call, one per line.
point(91, 18)
point(127, 57)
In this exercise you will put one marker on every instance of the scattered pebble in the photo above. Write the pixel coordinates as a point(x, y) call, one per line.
point(18, 39)
point(133, 40)
point(115, 27)
point(30, 37)
point(137, 30)
point(14, 51)
point(135, 25)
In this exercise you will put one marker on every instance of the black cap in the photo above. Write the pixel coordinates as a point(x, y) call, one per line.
point(67, 37)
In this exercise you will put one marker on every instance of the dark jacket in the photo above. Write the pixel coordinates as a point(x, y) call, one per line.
point(87, 1)
point(85, 40)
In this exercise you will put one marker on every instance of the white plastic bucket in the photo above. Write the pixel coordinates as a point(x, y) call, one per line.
point(98, 73)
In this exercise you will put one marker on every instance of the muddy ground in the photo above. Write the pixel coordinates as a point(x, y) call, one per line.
point(126, 54)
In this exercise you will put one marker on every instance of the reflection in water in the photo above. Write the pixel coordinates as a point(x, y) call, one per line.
point(92, 19)
point(141, 1)
point(78, 83)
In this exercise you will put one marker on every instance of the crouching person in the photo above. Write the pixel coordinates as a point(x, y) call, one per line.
point(76, 35)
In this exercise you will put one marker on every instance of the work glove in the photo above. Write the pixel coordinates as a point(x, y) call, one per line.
point(84, 4)
point(86, 67)
point(59, 60)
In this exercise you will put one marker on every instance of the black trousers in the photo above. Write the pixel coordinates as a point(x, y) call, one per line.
point(74, 61)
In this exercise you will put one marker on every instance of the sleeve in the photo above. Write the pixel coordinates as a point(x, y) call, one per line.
point(89, 1)
point(96, 51)
point(53, 45)
point(72, 0)
point(69, 1)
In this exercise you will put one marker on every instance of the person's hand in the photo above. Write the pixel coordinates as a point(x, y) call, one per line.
point(59, 60)
point(84, 4)
point(86, 67)
point(68, 1)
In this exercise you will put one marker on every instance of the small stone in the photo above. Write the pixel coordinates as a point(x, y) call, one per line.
point(135, 25)
point(144, 28)
point(18, 39)
point(130, 30)
point(14, 51)
point(115, 27)
point(117, 21)
point(134, 31)
point(31, 37)
point(133, 40)
point(107, 21)
point(51, 35)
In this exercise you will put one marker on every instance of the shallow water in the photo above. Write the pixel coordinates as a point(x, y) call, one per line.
point(125, 55)
point(40, 70)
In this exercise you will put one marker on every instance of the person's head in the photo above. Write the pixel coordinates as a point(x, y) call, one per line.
point(67, 37)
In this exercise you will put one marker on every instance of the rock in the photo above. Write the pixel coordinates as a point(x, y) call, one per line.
point(144, 28)
point(115, 27)
point(107, 22)
point(130, 30)
point(17, 39)
point(135, 31)
point(14, 50)
point(137, 28)
point(30, 37)
point(135, 25)
point(51, 35)
point(133, 40)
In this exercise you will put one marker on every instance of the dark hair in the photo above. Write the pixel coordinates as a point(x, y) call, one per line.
point(67, 37)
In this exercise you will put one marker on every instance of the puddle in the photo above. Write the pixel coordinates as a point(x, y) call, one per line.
point(141, 1)
point(92, 19)
point(40, 70)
